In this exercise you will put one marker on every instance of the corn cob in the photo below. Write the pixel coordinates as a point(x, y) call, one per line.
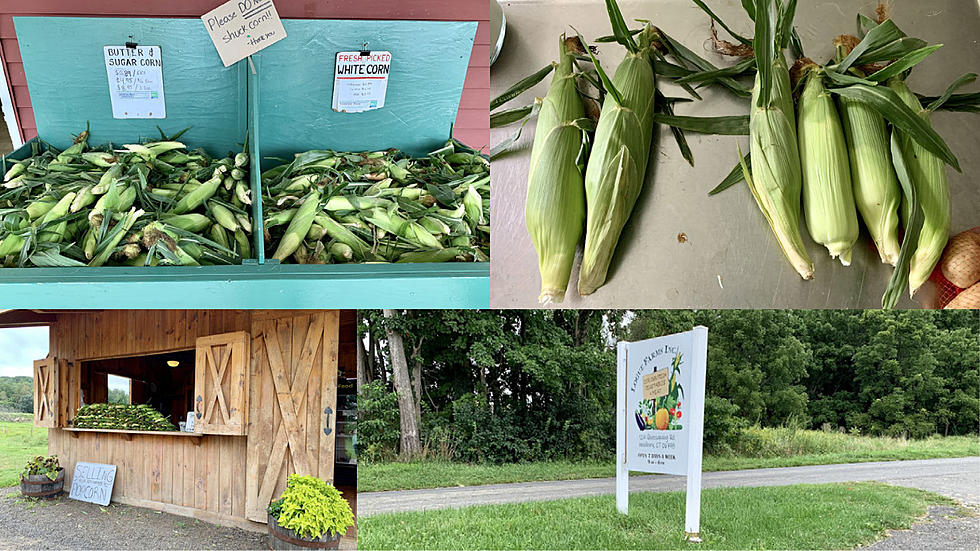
point(776, 177)
point(555, 206)
point(617, 164)
point(299, 226)
point(828, 197)
point(928, 175)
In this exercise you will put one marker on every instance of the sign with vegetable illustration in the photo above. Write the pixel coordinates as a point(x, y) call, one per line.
point(660, 413)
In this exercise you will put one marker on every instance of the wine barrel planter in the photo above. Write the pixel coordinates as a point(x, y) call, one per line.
point(284, 538)
point(42, 487)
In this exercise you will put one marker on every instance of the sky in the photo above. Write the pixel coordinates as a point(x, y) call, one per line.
point(19, 347)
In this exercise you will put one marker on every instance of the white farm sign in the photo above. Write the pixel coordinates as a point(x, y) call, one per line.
point(660, 413)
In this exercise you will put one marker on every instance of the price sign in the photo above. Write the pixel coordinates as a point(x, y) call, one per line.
point(360, 81)
point(239, 28)
point(135, 82)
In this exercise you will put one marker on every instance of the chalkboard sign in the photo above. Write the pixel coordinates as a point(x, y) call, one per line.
point(92, 482)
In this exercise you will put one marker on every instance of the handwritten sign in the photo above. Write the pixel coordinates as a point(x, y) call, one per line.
point(239, 28)
point(135, 82)
point(360, 81)
point(655, 385)
point(92, 482)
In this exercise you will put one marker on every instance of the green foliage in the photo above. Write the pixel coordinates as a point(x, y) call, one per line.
point(118, 396)
point(16, 394)
point(121, 416)
point(512, 385)
point(377, 422)
point(311, 508)
point(40, 465)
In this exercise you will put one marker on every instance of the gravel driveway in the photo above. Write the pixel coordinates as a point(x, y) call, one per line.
point(68, 524)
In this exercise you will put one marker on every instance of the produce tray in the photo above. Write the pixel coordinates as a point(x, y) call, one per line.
point(221, 105)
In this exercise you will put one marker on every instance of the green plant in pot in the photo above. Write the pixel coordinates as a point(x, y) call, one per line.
point(310, 510)
point(42, 477)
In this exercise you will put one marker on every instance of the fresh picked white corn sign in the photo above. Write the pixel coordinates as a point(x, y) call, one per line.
point(360, 81)
point(240, 28)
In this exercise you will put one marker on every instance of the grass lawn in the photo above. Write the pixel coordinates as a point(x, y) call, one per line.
point(19, 442)
point(761, 448)
point(825, 516)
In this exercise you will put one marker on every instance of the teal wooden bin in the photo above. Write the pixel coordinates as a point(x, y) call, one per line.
point(282, 101)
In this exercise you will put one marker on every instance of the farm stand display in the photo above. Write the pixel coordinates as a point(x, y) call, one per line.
point(276, 105)
point(259, 386)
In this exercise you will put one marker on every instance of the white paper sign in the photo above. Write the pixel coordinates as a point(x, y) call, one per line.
point(661, 429)
point(92, 482)
point(360, 82)
point(135, 82)
point(239, 28)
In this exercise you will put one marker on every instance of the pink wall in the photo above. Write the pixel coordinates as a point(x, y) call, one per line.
point(472, 122)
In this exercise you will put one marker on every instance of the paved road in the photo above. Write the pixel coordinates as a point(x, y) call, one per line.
point(958, 478)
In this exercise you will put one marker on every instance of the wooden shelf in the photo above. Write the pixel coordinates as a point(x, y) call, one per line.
point(128, 434)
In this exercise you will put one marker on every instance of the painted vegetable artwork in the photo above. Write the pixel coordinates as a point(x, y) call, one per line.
point(663, 413)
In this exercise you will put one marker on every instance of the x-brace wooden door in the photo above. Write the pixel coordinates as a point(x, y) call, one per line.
point(293, 403)
point(221, 384)
point(46, 392)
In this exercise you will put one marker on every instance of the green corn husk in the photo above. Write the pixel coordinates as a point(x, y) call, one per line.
point(218, 235)
point(197, 197)
point(223, 216)
point(55, 233)
point(192, 222)
point(928, 175)
point(39, 208)
point(617, 164)
point(299, 226)
point(776, 179)
point(876, 190)
point(554, 210)
point(828, 196)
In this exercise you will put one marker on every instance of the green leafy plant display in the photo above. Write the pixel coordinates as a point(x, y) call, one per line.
point(121, 417)
point(48, 466)
point(663, 413)
point(311, 508)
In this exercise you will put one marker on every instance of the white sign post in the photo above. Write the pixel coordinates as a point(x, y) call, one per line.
point(660, 414)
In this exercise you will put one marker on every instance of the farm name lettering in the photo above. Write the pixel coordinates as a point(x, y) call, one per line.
point(646, 361)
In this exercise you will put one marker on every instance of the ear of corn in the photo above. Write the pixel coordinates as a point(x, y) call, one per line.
point(876, 190)
point(299, 226)
point(776, 178)
point(617, 165)
point(928, 175)
point(555, 207)
point(828, 198)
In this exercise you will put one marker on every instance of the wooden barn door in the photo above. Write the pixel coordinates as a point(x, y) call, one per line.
point(293, 403)
point(46, 392)
point(221, 384)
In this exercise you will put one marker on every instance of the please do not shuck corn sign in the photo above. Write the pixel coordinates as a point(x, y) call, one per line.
point(660, 414)
point(239, 28)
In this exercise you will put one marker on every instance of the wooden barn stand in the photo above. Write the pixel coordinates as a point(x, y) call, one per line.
point(282, 101)
point(263, 385)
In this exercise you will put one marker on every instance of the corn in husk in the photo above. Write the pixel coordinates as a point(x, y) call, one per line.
point(326, 207)
point(93, 206)
point(776, 177)
point(121, 417)
point(555, 208)
point(928, 175)
point(828, 198)
point(617, 164)
point(876, 190)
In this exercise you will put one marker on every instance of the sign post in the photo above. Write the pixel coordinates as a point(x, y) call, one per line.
point(660, 414)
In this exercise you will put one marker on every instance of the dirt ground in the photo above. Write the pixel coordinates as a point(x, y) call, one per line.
point(68, 524)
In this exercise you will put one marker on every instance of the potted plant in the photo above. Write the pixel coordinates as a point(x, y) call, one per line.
point(309, 514)
point(42, 477)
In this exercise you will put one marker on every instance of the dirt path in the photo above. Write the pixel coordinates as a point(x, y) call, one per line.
point(68, 524)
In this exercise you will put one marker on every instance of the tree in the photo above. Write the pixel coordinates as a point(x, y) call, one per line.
point(410, 443)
